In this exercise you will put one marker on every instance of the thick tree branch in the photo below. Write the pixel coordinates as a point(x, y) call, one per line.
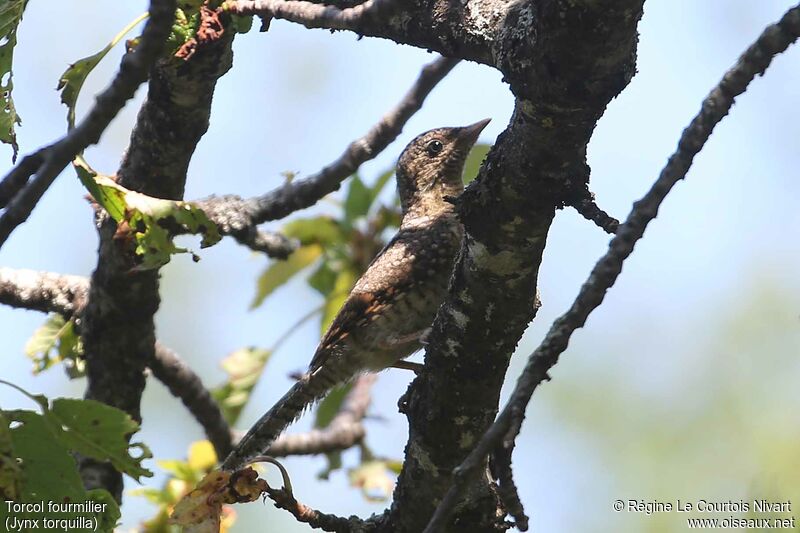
point(774, 40)
point(344, 431)
point(43, 291)
point(50, 161)
point(244, 215)
point(117, 325)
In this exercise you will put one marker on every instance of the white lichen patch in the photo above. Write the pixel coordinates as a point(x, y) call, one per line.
point(502, 263)
point(460, 420)
point(459, 318)
point(423, 459)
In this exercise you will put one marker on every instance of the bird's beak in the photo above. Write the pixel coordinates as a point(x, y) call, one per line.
point(469, 134)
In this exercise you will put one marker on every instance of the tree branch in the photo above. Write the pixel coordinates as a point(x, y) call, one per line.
point(43, 291)
point(48, 162)
point(774, 40)
point(344, 431)
point(589, 210)
point(313, 15)
point(244, 215)
point(183, 383)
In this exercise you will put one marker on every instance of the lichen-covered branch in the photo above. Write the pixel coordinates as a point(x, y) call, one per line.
point(774, 40)
point(43, 291)
point(48, 163)
point(117, 325)
point(313, 15)
point(243, 215)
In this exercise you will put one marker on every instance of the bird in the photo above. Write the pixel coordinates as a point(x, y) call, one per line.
point(393, 304)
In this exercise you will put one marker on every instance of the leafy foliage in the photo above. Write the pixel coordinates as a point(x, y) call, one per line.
point(184, 475)
point(58, 337)
point(46, 442)
point(244, 368)
point(147, 223)
point(72, 80)
point(10, 17)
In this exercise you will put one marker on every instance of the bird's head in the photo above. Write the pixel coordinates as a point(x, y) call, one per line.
point(430, 168)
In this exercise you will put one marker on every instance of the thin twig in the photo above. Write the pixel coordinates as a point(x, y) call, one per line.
point(774, 40)
point(133, 71)
point(313, 15)
point(299, 194)
point(185, 384)
point(592, 212)
point(284, 499)
point(18, 177)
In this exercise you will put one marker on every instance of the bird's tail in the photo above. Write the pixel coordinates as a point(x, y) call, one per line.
point(303, 394)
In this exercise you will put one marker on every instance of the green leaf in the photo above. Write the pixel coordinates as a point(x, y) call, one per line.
point(359, 199)
point(279, 272)
point(327, 409)
point(380, 183)
point(59, 335)
point(11, 475)
point(242, 24)
point(318, 230)
point(101, 432)
point(323, 279)
point(71, 81)
point(244, 368)
point(474, 161)
point(10, 17)
point(49, 468)
point(345, 280)
point(149, 222)
point(334, 464)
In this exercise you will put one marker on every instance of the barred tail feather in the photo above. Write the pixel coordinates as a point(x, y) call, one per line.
point(302, 395)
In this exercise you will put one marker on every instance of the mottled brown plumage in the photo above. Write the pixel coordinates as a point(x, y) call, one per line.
point(395, 301)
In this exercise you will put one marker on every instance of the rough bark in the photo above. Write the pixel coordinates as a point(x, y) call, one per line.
point(118, 330)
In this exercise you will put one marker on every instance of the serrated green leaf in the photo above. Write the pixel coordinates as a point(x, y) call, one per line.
point(328, 407)
point(244, 368)
point(474, 161)
point(359, 199)
point(58, 335)
point(50, 470)
point(279, 272)
point(318, 230)
point(101, 432)
point(10, 17)
point(71, 81)
point(345, 280)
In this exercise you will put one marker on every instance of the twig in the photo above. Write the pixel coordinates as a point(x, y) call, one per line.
point(284, 499)
point(18, 177)
point(591, 211)
point(306, 192)
point(506, 488)
point(183, 383)
point(313, 15)
point(133, 71)
point(345, 430)
point(774, 40)
point(239, 225)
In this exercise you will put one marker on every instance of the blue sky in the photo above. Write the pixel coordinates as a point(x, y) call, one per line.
point(292, 102)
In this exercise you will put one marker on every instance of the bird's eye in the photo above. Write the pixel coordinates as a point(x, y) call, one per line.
point(434, 147)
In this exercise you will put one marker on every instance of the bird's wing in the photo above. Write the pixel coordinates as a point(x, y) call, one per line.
point(388, 273)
